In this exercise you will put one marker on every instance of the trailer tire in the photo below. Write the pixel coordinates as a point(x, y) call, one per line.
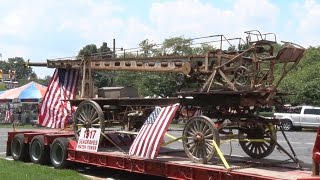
point(59, 153)
point(19, 150)
point(39, 153)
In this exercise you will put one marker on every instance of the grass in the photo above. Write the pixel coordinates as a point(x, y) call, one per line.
point(26, 126)
point(19, 170)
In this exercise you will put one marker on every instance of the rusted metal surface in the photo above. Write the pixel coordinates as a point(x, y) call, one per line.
point(251, 69)
point(231, 85)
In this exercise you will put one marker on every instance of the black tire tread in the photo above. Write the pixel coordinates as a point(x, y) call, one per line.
point(64, 145)
point(44, 157)
point(23, 153)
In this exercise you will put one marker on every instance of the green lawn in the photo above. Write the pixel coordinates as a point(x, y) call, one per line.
point(19, 170)
point(26, 126)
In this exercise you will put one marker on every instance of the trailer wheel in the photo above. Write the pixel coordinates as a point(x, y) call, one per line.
point(257, 142)
point(58, 153)
point(19, 149)
point(88, 114)
point(39, 153)
point(198, 134)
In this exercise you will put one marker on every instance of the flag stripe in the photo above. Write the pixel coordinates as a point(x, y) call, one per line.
point(148, 141)
point(155, 130)
point(163, 128)
point(46, 103)
point(49, 109)
point(8, 115)
point(54, 112)
point(143, 131)
point(146, 131)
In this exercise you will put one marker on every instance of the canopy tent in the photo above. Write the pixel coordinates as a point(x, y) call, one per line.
point(31, 92)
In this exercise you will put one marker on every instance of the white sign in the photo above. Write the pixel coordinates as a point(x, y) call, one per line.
point(88, 140)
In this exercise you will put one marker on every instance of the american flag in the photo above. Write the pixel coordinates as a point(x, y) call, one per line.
point(9, 115)
point(148, 141)
point(54, 112)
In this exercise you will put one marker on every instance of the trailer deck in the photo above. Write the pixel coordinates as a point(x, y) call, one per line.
point(170, 163)
point(176, 165)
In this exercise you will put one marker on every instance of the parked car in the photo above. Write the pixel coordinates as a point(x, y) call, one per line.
point(299, 117)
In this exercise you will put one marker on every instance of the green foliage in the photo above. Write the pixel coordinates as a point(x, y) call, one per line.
point(177, 46)
point(2, 87)
point(148, 83)
point(203, 49)
point(23, 74)
point(304, 81)
point(16, 64)
point(102, 78)
point(147, 48)
point(88, 50)
point(105, 51)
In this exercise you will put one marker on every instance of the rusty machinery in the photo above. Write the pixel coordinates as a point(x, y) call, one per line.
point(232, 84)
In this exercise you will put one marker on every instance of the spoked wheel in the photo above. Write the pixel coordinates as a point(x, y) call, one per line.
point(198, 134)
point(241, 75)
point(262, 77)
point(88, 115)
point(256, 141)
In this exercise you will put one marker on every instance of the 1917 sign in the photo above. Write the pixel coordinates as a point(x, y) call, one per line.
point(88, 140)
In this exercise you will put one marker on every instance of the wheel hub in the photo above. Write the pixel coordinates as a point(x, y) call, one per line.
point(198, 139)
point(87, 124)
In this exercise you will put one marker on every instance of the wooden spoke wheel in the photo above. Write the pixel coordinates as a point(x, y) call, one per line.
point(88, 115)
point(257, 142)
point(198, 134)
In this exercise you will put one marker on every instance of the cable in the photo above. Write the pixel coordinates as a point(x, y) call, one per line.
point(137, 49)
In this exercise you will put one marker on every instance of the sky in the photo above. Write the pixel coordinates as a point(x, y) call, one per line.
point(40, 30)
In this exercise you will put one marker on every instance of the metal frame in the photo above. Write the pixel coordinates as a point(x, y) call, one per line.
point(233, 83)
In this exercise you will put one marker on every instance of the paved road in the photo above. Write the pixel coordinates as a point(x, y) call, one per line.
point(302, 143)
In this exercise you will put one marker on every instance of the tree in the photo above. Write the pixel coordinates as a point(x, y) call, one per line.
point(203, 49)
point(177, 46)
point(18, 64)
point(304, 81)
point(101, 78)
point(88, 50)
point(105, 51)
point(2, 87)
point(45, 81)
point(148, 49)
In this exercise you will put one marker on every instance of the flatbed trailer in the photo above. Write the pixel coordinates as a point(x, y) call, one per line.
point(170, 164)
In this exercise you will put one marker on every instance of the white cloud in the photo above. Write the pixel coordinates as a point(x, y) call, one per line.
point(46, 26)
point(15, 50)
point(194, 18)
point(307, 17)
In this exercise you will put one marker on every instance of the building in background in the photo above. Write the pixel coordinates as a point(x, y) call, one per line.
point(9, 80)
